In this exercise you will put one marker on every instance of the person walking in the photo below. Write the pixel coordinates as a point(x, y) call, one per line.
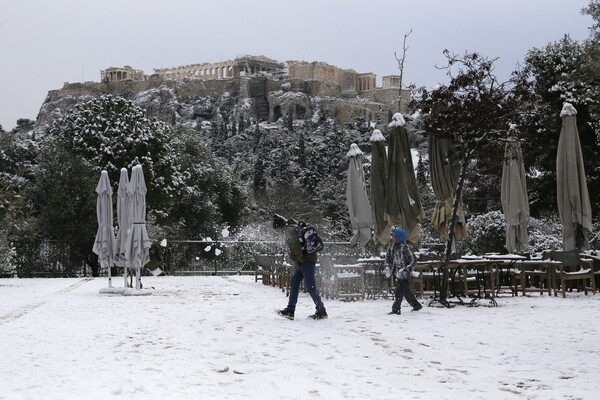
point(400, 261)
point(304, 268)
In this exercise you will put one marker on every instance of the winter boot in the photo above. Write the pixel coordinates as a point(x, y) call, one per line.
point(286, 313)
point(320, 314)
point(417, 307)
point(394, 312)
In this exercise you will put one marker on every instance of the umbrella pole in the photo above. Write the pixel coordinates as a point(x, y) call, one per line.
point(109, 276)
point(138, 278)
point(125, 276)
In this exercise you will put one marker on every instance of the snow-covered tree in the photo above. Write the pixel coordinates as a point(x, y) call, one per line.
point(112, 133)
point(17, 157)
point(212, 196)
point(475, 109)
point(64, 200)
point(564, 71)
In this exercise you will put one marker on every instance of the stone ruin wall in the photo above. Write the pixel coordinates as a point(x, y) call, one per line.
point(241, 66)
point(349, 83)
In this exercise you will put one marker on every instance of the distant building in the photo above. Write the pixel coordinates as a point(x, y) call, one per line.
point(113, 74)
point(350, 82)
point(241, 66)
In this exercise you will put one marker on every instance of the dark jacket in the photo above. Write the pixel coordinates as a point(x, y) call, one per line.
point(399, 260)
point(295, 248)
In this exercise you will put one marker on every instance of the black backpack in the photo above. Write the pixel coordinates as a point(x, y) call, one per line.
point(309, 238)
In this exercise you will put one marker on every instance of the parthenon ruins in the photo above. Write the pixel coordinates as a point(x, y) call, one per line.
point(347, 79)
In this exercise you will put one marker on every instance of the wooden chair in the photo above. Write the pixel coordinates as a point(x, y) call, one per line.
point(349, 279)
point(326, 277)
point(417, 281)
point(574, 269)
point(537, 276)
point(262, 271)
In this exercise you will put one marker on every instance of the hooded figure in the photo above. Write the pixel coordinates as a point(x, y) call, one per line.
point(400, 261)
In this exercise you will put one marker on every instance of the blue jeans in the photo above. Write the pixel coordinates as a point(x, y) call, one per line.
point(306, 271)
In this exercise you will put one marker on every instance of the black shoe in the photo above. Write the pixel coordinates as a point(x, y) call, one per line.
point(320, 314)
point(286, 313)
point(417, 307)
point(394, 312)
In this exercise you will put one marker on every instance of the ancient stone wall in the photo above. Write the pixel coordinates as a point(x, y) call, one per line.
point(323, 72)
point(241, 66)
point(270, 98)
point(390, 97)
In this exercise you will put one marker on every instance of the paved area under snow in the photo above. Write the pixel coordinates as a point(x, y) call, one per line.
point(219, 337)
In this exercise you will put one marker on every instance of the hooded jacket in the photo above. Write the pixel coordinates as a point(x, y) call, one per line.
point(399, 260)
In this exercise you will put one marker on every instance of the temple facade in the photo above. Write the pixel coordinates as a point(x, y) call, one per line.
point(113, 74)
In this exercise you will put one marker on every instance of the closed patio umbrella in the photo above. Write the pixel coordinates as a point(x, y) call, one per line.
point(378, 187)
point(443, 168)
point(104, 243)
point(356, 198)
point(572, 195)
point(124, 221)
point(402, 202)
point(137, 244)
point(515, 202)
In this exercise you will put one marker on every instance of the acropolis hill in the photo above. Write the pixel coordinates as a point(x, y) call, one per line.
point(274, 89)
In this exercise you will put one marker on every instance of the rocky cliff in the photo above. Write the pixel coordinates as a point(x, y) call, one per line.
point(196, 102)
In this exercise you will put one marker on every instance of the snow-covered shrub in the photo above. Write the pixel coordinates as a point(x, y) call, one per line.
point(544, 234)
point(7, 254)
point(486, 233)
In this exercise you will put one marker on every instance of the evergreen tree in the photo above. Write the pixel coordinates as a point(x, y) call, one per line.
point(564, 71)
point(475, 109)
point(113, 133)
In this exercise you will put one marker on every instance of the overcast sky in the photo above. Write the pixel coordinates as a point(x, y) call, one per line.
point(45, 43)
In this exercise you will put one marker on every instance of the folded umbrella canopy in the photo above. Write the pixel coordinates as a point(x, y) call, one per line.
point(443, 168)
point(572, 195)
point(356, 198)
point(137, 244)
point(104, 243)
point(402, 202)
point(124, 219)
point(378, 187)
point(515, 202)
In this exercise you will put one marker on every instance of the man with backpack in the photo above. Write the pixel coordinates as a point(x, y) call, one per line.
point(304, 268)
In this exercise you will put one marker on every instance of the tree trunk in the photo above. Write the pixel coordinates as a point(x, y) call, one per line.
point(453, 219)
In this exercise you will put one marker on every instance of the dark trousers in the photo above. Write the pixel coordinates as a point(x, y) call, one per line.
point(403, 290)
point(306, 272)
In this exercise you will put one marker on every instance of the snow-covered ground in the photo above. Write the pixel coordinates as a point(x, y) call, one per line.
point(219, 338)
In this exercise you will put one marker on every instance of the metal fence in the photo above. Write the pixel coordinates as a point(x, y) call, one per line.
point(199, 257)
point(177, 257)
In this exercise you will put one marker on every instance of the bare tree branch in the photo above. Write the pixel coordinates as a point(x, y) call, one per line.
point(401, 66)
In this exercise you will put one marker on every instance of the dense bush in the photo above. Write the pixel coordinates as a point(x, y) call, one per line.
point(486, 233)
